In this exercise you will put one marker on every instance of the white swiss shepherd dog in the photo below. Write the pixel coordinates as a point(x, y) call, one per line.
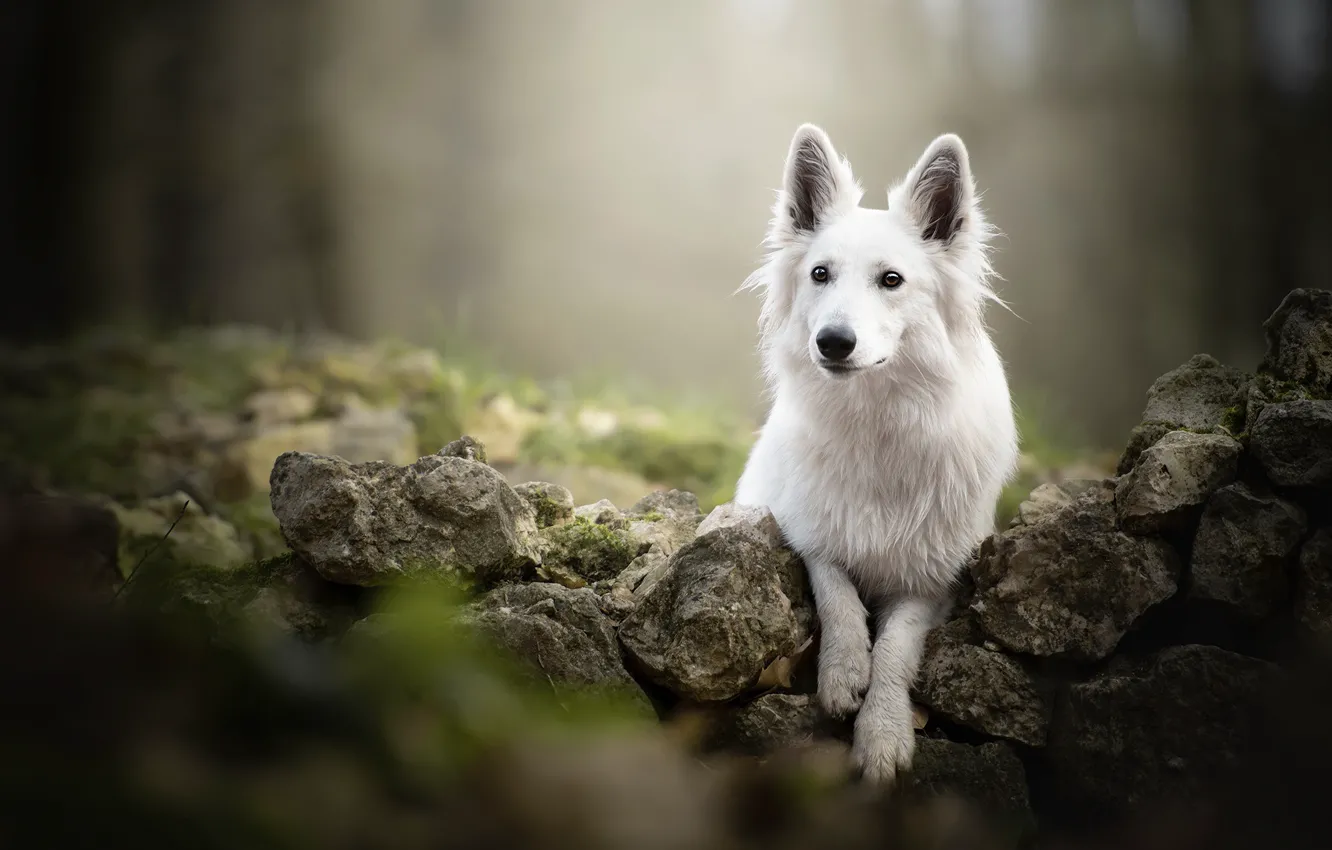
point(891, 430)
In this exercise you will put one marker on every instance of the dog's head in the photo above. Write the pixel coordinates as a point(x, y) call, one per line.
point(852, 290)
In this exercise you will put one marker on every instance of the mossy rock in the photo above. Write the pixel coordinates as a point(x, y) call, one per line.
point(280, 592)
point(197, 538)
point(586, 549)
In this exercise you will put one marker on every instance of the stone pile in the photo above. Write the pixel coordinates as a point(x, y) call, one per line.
point(1108, 648)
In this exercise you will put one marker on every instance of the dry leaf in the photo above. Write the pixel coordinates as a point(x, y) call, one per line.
point(920, 715)
point(778, 673)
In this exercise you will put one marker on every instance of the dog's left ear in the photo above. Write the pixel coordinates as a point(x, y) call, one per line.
point(940, 194)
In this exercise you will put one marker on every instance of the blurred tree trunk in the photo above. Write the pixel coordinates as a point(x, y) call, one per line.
point(168, 163)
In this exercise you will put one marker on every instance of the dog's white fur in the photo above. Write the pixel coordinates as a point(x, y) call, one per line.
point(886, 477)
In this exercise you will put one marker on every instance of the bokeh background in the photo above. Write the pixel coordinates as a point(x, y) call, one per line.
point(578, 187)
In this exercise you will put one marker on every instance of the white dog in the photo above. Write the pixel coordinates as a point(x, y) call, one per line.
point(891, 432)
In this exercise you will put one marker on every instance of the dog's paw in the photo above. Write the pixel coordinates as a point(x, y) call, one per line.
point(884, 742)
point(843, 680)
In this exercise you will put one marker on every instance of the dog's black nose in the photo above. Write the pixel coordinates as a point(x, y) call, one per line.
point(836, 342)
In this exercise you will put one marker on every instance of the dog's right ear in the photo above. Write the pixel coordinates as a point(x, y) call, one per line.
point(818, 184)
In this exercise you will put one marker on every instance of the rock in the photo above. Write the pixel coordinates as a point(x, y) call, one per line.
point(245, 465)
point(281, 593)
point(989, 776)
point(1292, 441)
point(1299, 340)
point(561, 633)
point(731, 515)
point(666, 519)
point(554, 505)
point(601, 512)
point(589, 549)
point(280, 406)
point(585, 482)
point(1245, 544)
point(1072, 585)
point(372, 523)
point(467, 448)
point(1163, 730)
point(198, 538)
point(772, 723)
point(1172, 479)
point(1197, 396)
point(980, 688)
point(1313, 584)
point(731, 602)
point(633, 584)
point(1049, 497)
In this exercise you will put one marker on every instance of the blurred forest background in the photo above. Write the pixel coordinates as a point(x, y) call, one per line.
point(581, 185)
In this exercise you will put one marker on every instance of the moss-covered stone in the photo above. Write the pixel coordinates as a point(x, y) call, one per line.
point(197, 538)
point(586, 548)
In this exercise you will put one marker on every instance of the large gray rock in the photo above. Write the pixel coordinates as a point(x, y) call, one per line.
point(980, 688)
point(1072, 585)
point(1198, 396)
point(372, 523)
point(1243, 550)
point(732, 601)
point(1293, 442)
point(1172, 479)
point(1299, 340)
point(560, 633)
point(1313, 584)
point(1165, 728)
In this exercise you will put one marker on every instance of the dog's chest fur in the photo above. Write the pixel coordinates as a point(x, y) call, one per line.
point(896, 500)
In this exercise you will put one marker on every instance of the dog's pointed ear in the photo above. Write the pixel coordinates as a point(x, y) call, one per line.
point(940, 193)
point(817, 184)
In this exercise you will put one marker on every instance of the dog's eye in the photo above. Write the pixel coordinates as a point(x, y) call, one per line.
point(891, 280)
point(819, 274)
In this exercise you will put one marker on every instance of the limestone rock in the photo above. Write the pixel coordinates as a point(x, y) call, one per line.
point(373, 523)
point(1245, 544)
point(1166, 728)
point(1197, 396)
point(560, 632)
point(1172, 479)
point(198, 538)
point(732, 601)
point(1293, 442)
point(1072, 585)
point(554, 505)
point(1049, 497)
point(666, 519)
point(980, 688)
point(634, 584)
point(1299, 340)
point(774, 722)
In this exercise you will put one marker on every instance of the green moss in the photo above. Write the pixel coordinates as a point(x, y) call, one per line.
point(589, 550)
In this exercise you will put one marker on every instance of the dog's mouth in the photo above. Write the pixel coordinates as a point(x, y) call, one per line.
point(833, 367)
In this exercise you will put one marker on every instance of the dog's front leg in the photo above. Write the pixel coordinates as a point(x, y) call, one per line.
point(885, 738)
point(844, 642)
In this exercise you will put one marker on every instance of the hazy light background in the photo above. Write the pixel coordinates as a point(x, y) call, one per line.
point(580, 186)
